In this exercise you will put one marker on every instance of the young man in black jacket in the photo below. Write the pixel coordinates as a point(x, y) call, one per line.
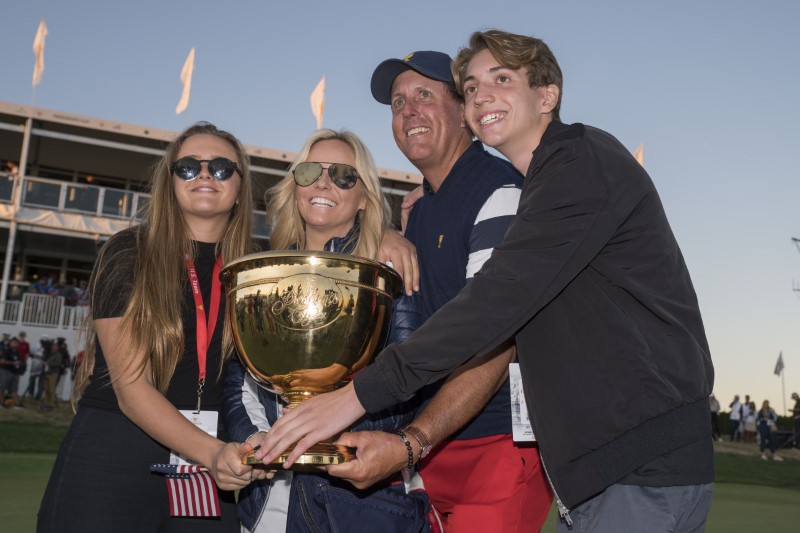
point(592, 285)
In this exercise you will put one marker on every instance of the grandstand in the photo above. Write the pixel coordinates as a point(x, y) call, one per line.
point(67, 183)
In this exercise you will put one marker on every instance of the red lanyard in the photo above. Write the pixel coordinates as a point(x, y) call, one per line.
point(205, 325)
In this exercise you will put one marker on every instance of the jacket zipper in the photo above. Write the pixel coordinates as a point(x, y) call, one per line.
point(563, 512)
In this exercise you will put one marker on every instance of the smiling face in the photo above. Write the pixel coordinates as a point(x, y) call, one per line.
point(327, 210)
point(427, 122)
point(503, 110)
point(204, 202)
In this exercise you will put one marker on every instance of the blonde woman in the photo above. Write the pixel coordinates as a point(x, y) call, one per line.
point(302, 225)
point(157, 345)
point(330, 201)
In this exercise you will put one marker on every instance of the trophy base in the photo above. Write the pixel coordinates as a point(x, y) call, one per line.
point(321, 454)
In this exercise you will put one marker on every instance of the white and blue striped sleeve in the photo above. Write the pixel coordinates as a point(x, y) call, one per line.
point(491, 225)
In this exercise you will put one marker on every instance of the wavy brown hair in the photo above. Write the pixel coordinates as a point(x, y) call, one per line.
point(152, 319)
point(288, 228)
point(512, 51)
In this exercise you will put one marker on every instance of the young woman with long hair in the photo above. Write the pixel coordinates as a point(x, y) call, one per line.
point(156, 349)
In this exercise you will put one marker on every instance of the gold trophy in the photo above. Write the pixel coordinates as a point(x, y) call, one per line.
point(302, 322)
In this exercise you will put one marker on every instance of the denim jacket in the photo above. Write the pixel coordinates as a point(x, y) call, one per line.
point(311, 493)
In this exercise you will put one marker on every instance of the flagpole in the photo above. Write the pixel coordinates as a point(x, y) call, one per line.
point(783, 392)
point(16, 193)
point(16, 190)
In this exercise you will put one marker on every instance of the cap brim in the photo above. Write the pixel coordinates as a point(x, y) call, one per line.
point(386, 72)
point(383, 78)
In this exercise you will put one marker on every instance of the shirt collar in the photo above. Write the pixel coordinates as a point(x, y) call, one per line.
point(344, 244)
point(474, 149)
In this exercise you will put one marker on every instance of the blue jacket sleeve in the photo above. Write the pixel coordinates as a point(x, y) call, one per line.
point(406, 318)
point(237, 422)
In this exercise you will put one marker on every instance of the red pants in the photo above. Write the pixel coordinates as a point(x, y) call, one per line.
point(487, 485)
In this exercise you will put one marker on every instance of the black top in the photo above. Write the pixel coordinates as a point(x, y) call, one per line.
point(111, 300)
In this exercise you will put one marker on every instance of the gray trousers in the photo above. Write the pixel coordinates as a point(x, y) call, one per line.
point(630, 508)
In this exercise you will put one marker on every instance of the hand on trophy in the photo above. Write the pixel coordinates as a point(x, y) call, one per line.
point(227, 467)
point(253, 444)
point(378, 455)
point(310, 422)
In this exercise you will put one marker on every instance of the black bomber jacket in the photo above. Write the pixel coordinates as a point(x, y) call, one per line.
point(592, 284)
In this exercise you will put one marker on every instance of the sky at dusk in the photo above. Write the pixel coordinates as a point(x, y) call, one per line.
point(710, 88)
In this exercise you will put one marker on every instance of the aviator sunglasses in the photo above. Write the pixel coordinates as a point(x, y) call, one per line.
point(188, 168)
point(343, 176)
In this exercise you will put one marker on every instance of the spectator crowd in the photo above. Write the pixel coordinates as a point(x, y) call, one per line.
point(45, 365)
point(750, 424)
point(75, 292)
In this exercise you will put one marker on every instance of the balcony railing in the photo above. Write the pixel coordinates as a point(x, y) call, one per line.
point(42, 310)
point(81, 198)
point(91, 200)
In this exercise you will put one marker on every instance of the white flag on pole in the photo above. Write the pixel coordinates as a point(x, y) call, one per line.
point(318, 101)
point(186, 79)
point(38, 50)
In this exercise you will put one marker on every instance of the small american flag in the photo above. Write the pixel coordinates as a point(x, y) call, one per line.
point(191, 489)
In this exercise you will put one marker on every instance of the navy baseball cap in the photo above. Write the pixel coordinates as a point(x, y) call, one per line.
point(433, 65)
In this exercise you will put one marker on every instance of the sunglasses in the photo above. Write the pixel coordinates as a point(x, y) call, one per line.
point(343, 176)
point(220, 168)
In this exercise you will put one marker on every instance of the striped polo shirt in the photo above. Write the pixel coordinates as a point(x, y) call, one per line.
point(455, 230)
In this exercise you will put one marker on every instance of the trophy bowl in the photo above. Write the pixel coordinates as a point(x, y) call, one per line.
point(303, 322)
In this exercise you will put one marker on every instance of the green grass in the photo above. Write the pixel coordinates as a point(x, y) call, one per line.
point(24, 478)
point(751, 470)
point(751, 495)
point(16, 437)
point(30, 430)
point(754, 508)
point(743, 507)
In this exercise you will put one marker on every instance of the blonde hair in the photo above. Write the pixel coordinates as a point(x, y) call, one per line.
point(512, 51)
point(152, 319)
point(288, 228)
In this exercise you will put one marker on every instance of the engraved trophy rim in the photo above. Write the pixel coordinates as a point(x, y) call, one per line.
point(394, 277)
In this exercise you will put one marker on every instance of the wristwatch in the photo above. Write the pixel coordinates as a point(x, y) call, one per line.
point(421, 438)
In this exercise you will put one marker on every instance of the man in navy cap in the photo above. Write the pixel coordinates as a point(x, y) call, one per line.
point(476, 476)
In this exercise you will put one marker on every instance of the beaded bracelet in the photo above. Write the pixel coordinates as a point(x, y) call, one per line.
point(422, 438)
point(410, 464)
